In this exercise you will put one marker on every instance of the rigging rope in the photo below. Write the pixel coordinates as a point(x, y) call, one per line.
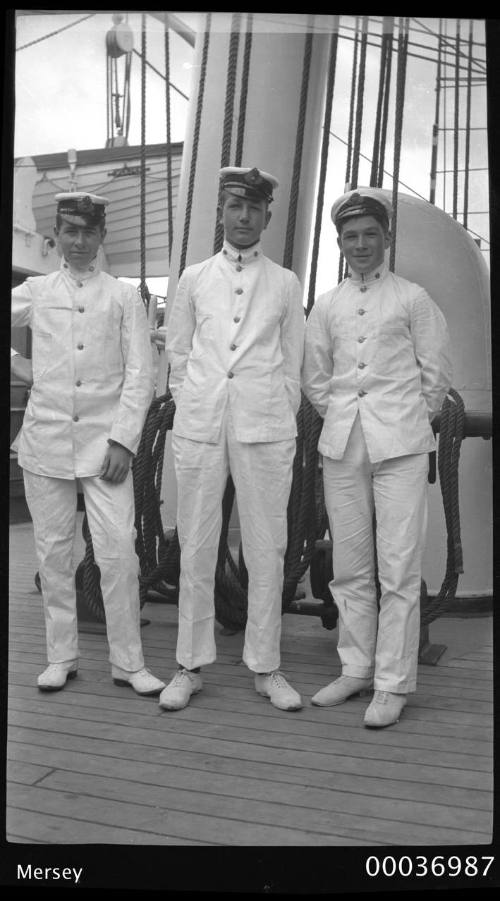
point(299, 144)
point(245, 76)
point(227, 129)
point(196, 139)
point(330, 87)
point(58, 31)
point(376, 176)
point(468, 128)
point(435, 127)
point(143, 286)
point(359, 104)
point(170, 218)
point(385, 113)
point(398, 130)
point(456, 121)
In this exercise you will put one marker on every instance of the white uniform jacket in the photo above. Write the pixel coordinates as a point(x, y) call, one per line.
point(378, 345)
point(92, 370)
point(235, 336)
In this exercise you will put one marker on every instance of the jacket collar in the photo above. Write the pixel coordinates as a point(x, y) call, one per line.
point(374, 276)
point(81, 275)
point(234, 255)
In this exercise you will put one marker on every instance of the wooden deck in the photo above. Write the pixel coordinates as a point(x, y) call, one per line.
point(96, 764)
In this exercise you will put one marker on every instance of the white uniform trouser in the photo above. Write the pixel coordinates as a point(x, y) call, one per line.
point(262, 475)
point(383, 644)
point(110, 513)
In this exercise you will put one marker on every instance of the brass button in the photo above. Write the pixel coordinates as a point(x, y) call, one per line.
point(230, 375)
point(239, 268)
point(361, 393)
point(237, 319)
point(81, 309)
point(78, 383)
point(363, 288)
point(239, 290)
point(80, 284)
point(361, 312)
point(80, 346)
point(76, 418)
point(360, 340)
point(361, 365)
point(233, 346)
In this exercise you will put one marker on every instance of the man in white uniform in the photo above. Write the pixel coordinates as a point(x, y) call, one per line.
point(377, 368)
point(235, 346)
point(91, 377)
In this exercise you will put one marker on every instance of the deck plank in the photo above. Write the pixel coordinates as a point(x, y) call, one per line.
point(97, 764)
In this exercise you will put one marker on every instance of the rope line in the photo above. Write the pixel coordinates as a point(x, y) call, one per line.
point(332, 66)
point(451, 433)
point(359, 104)
point(169, 138)
point(196, 140)
point(398, 130)
point(456, 122)
point(245, 76)
point(468, 130)
point(52, 33)
point(385, 111)
point(143, 286)
point(227, 129)
point(299, 144)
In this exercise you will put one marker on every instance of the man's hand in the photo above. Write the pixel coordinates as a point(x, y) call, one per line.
point(21, 368)
point(116, 464)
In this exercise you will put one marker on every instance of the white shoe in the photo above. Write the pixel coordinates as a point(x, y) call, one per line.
point(340, 690)
point(142, 681)
point(179, 690)
point(384, 710)
point(54, 677)
point(275, 687)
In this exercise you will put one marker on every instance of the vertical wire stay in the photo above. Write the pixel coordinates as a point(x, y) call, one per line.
point(332, 66)
point(245, 78)
point(468, 127)
point(359, 103)
point(456, 121)
point(143, 286)
point(168, 137)
point(196, 141)
point(299, 144)
point(398, 128)
point(435, 127)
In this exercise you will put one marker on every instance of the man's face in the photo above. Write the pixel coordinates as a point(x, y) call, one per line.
point(243, 219)
point(363, 242)
point(79, 241)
